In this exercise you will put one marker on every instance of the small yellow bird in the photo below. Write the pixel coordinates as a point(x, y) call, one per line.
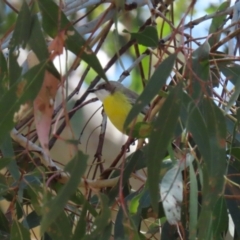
point(117, 102)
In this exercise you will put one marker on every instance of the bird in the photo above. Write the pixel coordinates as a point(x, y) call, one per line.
point(117, 102)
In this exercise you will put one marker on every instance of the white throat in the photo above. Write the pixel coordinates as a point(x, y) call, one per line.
point(102, 94)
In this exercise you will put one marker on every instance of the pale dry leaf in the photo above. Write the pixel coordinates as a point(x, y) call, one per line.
point(171, 190)
point(43, 109)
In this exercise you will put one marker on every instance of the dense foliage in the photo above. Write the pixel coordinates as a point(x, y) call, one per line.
point(181, 182)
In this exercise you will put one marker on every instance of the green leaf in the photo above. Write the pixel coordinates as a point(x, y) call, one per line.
point(18, 232)
point(76, 168)
point(37, 41)
point(215, 165)
point(199, 72)
point(154, 85)
point(4, 224)
point(220, 218)
point(32, 220)
point(8, 153)
point(21, 92)
point(217, 24)
point(61, 228)
point(3, 74)
point(54, 21)
point(128, 169)
point(141, 130)
point(34, 190)
point(102, 221)
point(80, 230)
point(216, 162)
point(235, 152)
point(197, 126)
point(148, 37)
point(160, 138)
point(233, 204)
point(231, 72)
point(14, 68)
point(123, 230)
point(193, 209)
point(22, 28)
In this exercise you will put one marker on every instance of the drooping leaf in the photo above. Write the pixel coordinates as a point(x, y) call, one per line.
point(25, 89)
point(54, 21)
point(102, 221)
point(22, 28)
point(220, 218)
point(43, 106)
point(61, 228)
point(217, 24)
point(215, 168)
point(3, 74)
point(159, 140)
point(130, 167)
point(8, 153)
point(32, 220)
point(193, 209)
point(80, 229)
point(37, 41)
point(4, 224)
point(14, 70)
point(154, 85)
point(233, 204)
point(18, 232)
point(148, 37)
point(171, 189)
point(198, 72)
point(76, 168)
point(196, 125)
point(216, 127)
point(127, 225)
point(232, 73)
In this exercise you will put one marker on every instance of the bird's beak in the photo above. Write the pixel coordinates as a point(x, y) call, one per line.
point(92, 90)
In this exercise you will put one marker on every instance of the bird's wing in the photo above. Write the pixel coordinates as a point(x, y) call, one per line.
point(132, 97)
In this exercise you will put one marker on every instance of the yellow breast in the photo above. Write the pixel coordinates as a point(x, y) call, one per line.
point(117, 107)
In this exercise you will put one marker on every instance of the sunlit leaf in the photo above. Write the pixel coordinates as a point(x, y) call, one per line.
point(148, 37)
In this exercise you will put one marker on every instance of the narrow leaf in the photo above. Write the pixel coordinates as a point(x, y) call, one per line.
point(54, 21)
point(18, 232)
point(217, 24)
point(198, 72)
point(76, 167)
point(61, 228)
point(148, 37)
point(102, 221)
point(161, 135)
point(22, 28)
point(154, 85)
point(21, 92)
point(6, 148)
point(3, 74)
point(193, 209)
